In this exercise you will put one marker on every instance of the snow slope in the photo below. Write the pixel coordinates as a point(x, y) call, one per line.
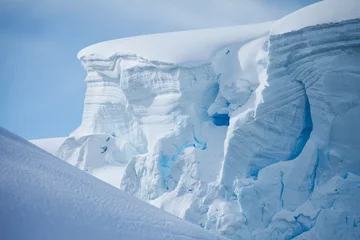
point(250, 131)
point(50, 145)
point(45, 198)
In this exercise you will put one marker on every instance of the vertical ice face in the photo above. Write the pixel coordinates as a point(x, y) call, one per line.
point(170, 102)
point(328, 69)
point(253, 136)
point(256, 136)
point(109, 134)
point(105, 105)
point(162, 96)
point(312, 191)
point(148, 112)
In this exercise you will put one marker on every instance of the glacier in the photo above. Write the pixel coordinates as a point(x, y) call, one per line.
point(251, 131)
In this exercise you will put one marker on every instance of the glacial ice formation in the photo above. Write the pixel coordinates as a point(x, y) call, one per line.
point(251, 131)
point(159, 110)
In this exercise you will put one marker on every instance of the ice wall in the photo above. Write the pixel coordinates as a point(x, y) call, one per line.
point(303, 139)
point(258, 141)
point(147, 112)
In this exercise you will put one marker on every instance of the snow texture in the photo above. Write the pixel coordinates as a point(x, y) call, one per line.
point(169, 48)
point(50, 145)
point(250, 131)
point(43, 197)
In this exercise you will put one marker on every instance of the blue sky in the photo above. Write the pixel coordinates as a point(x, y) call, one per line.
point(42, 84)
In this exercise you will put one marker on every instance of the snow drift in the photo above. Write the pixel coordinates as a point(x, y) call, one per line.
point(45, 198)
point(250, 131)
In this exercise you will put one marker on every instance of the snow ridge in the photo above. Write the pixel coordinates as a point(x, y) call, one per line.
point(45, 198)
point(200, 45)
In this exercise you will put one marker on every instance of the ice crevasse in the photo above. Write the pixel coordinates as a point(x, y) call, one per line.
point(251, 131)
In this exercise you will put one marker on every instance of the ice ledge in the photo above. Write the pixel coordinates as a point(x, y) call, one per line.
point(200, 45)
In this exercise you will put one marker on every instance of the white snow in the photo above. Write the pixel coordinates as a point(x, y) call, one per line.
point(110, 174)
point(43, 197)
point(50, 145)
point(200, 45)
point(134, 105)
point(328, 11)
point(238, 130)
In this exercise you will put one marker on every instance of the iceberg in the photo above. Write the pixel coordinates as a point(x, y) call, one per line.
point(251, 131)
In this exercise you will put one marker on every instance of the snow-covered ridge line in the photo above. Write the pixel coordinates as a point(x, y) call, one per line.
point(317, 26)
point(169, 48)
point(329, 11)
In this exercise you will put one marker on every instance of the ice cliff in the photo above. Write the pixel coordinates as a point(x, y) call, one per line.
point(251, 131)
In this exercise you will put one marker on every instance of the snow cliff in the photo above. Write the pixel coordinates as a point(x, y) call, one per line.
point(250, 131)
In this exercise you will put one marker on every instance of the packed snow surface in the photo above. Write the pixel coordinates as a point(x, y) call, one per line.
point(200, 45)
point(258, 139)
point(50, 145)
point(42, 197)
